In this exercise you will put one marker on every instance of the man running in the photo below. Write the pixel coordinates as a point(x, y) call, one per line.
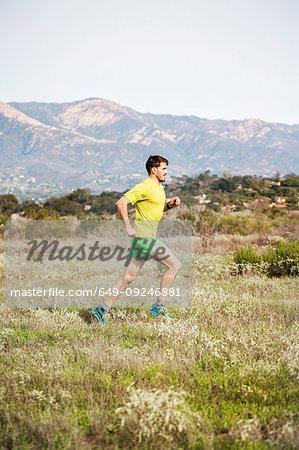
point(150, 202)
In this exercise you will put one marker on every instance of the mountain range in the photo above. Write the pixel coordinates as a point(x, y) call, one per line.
point(49, 148)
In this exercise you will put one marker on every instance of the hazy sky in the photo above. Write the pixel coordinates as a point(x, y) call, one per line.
point(229, 59)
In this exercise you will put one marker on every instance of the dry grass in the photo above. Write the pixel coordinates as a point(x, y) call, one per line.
point(223, 375)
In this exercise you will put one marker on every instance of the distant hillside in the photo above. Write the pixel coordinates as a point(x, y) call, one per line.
point(49, 148)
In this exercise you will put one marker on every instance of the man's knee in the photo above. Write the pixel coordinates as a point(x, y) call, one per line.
point(175, 265)
point(129, 277)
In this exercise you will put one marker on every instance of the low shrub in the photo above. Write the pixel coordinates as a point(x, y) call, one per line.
point(245, 257)
point(281, 259)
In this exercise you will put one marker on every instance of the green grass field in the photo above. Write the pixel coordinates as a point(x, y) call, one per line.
point(223, 375)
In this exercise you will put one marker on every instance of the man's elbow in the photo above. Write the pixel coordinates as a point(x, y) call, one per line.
point(118, 205)
point(122, 202)
point(119, 201)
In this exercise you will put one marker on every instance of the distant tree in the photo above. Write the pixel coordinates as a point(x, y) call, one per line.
point(286, 191)
point(291, 175)
point(9, 204)
point(206, 180)
point(224, 185)
point(31, 209)
point(188, 200)
point(104, 204)
point(80, 196)
point(290, 182)
point(255, 183)
point(292, 198)
point(64, 206)
point(47, 214)
point(42, 214)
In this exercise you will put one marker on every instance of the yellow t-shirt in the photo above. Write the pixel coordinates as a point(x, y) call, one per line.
point(149, 198)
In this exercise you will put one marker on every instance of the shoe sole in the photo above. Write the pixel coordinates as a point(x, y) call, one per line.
point(157, 314)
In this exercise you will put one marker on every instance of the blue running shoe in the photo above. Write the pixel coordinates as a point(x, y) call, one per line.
point(100, 315)
point(160, 311)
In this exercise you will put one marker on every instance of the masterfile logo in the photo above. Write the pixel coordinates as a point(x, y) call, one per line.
point(72, 263)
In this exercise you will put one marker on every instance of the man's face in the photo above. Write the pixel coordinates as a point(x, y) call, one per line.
point(160, 171)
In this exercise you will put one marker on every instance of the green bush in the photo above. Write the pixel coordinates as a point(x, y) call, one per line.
point(245, 256)
point(283, 259)
point(279, 260)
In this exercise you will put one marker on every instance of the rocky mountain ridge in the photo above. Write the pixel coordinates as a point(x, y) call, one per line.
point(100, 144)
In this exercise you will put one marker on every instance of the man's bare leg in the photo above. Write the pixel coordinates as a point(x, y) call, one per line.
point(173, 267)
point(123, 281)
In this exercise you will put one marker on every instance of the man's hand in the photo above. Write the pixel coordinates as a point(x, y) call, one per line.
point(130, 231)
point(175, 201)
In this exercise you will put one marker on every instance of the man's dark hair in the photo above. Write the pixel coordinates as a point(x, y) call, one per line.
point(154, 161)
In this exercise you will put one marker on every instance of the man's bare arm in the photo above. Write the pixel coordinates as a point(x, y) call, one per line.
point(122, 207)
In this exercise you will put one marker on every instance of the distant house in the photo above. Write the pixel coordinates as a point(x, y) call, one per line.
point(15, 216)
point(281, 199)
point(278, 205)
point(280, 202)
point(258, 203)
point(229, 208)
point(202, 199)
